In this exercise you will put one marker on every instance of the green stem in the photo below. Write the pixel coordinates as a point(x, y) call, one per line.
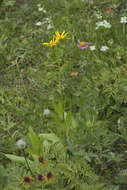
point(27, 163)
point(123, 29)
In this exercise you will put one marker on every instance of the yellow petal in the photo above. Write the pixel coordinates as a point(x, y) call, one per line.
point(57, 33)
point(66, 34)
point(63, 33)
point(45, 43)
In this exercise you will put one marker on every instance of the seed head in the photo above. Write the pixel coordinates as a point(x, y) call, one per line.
point(21, 144)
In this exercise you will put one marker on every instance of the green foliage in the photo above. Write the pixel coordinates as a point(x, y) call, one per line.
point(95, 186)
point(71, 171)
point(3, 177)
point(15, 158)
point(84, 138)
point(36, 144)
point(121, 177)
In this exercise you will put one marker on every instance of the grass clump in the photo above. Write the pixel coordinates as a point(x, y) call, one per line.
point(63, 93)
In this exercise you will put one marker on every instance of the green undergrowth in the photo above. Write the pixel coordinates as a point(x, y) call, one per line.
point(73, 101)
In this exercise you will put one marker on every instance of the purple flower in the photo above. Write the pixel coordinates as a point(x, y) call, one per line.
point(82, 45)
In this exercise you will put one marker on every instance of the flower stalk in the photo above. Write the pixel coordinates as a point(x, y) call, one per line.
point(27, 163)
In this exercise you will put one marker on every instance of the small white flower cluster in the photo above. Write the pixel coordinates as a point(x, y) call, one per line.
point(118, 121)
point(103, 48)
point(118, 57)
point(39, 23)
point(123, 20)
point(99, 16)
point(50, 26)
point(103, 23)
point(41, 8)
point(92, 48)
point(38, 5)
point(46, 112)
point(47, 21)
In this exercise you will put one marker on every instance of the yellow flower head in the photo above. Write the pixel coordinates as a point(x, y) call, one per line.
point(52, 43)
point(55, 39)
point(82, 44)
point(60, 36)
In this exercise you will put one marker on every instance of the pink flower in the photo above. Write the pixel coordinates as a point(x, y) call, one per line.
point(82, 45)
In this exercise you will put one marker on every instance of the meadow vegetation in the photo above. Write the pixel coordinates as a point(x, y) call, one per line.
point(63, 94)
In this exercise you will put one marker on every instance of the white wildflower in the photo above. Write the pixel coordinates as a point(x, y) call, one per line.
point(47, 20)
point(98, 24)
point(44, 22)
point(118, 57)
point(123, 20)
point(99, 16)
point(118, 121)
point(42, 9)
point(50, 26)
point(38, 23)
point(104, 48)
point(103, 23)
point(38, 5)
point(106, 24)
point(46, 112)
point(92, 48)
point(21, 144)
point(110, 42)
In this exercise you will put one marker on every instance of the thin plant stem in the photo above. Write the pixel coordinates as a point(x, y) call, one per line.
point(123, 29)
point(27, 163)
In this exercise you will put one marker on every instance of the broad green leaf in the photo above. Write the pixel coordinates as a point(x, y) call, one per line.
point(49, 137)
point(36, 142)
point(59, 108)
point(14, 158)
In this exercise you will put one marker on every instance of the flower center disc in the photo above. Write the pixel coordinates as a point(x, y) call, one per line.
point(82, 44)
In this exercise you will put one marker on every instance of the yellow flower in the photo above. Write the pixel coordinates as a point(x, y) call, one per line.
point(60, 36)
point(52, 43)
